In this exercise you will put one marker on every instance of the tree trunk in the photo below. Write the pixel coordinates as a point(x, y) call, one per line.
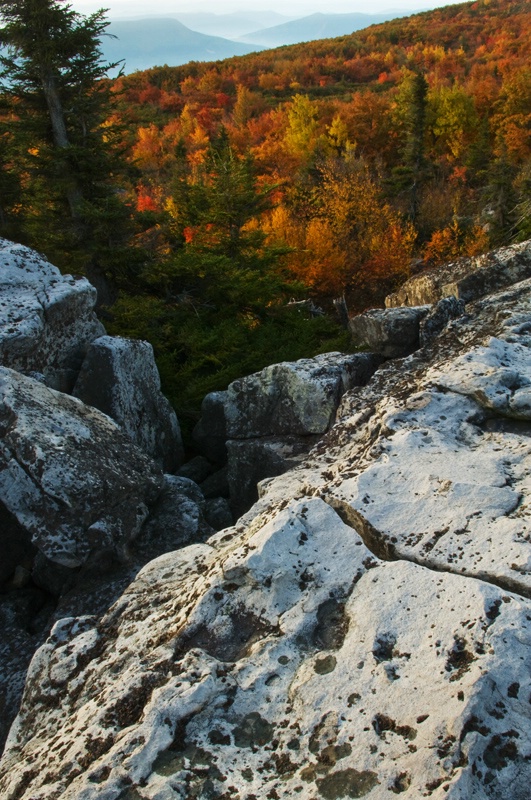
point(74, 194)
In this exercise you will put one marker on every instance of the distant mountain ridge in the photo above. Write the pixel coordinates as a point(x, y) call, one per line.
point(231, 26)
point(147, 41)
point(154, 41)
point(317, 26)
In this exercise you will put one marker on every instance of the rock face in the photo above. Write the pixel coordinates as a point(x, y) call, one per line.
point(119, 377)
point(68, 474)
point(46, 319)
point(252, 460)
point(293, 398)
point(363, 631)
point(467, 279)
point(75, 487)
point(266, 421)
point(391, 332)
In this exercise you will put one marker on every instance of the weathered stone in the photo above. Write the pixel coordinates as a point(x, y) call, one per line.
point(392, 332)
point(23, 615)
point(197, 469)
point(363, 630)
point(294, 398)
point(288, 657)
point(210, 433)
point(431, 461)
point(432, 325)
point(252, 460)
point(175, 521)
point(218, 513)
point(217, 484)
point(119, 377)
point(467, 279)
point(46, 319)
point(68, 473)
point(15, 546)
point(52, 577)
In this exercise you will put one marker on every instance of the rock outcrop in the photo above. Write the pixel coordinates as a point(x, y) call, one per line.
point(119, 377)
point(267, 421)
point(46, 319)
point(75, 486)
point(68, 473)
point(364, 629)
point(392, 332)
point(467, 279)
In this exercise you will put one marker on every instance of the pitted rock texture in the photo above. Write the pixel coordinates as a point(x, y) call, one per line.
point(281, 662)
point(467, 279)
point(364, 629)
point(119, 377)
point(437, 319)
point(46, 319)
point(432, 460)
point(68, 474)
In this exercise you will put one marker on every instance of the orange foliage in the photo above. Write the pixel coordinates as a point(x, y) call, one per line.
point(453, 242)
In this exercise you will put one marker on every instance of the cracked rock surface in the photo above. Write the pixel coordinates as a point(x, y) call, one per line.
point(46, 319)
point(68, 474)
point(363, 631)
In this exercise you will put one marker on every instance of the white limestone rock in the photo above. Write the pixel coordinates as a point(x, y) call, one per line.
point(46, 319)
point(443, 491)
point(497, 376)
point(364, 630)
point(68, 473)
point(119, 377)
point(286, 661)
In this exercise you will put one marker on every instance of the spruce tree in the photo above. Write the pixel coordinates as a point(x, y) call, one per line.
point(62, 153)
point(411, 173)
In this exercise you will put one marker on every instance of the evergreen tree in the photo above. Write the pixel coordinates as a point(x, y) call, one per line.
point(502, 200)
point(62, 153)
point(411, 173)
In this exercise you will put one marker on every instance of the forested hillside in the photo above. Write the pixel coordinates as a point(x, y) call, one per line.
point(319, 170)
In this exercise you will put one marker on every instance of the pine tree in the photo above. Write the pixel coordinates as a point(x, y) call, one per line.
point(62, 153)
point(411, 173)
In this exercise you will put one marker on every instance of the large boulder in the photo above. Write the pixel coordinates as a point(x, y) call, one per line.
point(68, 474)
point(295, 397)
point(119, 377)
point(46, 319)
point(210, 433)
point(392, 332)
point(291, 403)
point(467, 279)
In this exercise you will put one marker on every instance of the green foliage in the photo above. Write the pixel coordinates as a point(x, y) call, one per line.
point(198, 352)
point(215, 307)
point(61, 153)
point(411, 110)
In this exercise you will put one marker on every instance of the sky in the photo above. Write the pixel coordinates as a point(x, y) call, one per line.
point(290, 8)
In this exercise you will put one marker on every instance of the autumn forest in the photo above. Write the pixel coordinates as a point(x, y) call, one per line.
point(222, 192)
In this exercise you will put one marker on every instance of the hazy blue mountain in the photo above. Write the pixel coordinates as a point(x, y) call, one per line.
point(231, 26)
point(317, 26)
point(153, 41)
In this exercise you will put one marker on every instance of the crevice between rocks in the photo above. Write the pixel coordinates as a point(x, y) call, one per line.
point(385, 550)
